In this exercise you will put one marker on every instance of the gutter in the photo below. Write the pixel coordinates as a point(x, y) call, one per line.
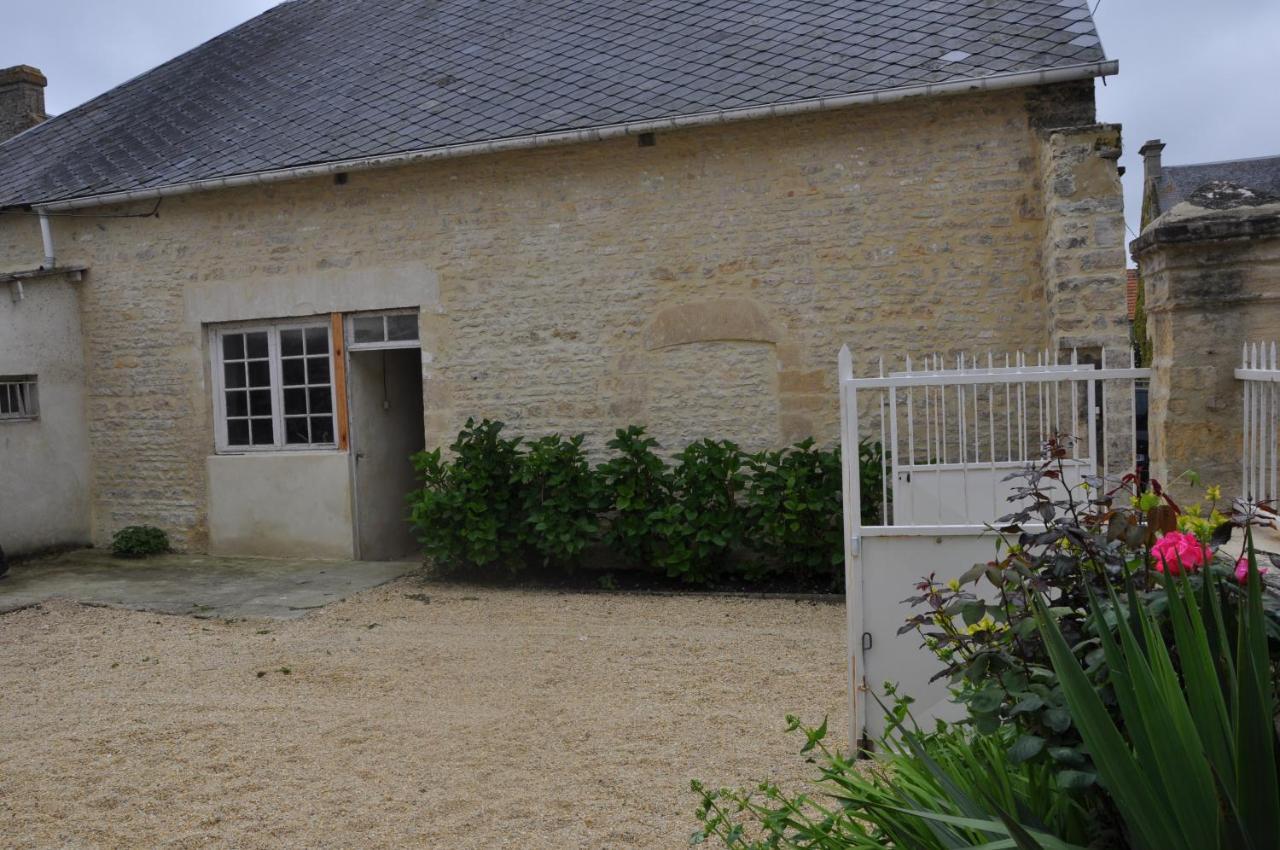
point(994, 82)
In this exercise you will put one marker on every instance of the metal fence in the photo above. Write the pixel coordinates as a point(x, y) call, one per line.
point(1259, 374)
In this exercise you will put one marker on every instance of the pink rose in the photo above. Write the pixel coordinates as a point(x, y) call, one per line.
point(1178, 551)
point(1242, 570)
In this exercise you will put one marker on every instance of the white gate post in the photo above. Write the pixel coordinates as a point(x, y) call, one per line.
point(852, 498)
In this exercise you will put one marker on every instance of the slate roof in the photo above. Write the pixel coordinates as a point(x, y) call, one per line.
point(1176, 183)
point(314, 81)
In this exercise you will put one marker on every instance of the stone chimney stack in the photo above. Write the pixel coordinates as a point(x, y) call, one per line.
point(1151, 158)
point(21, 99)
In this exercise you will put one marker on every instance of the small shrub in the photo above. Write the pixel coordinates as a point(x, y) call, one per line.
point(139, 541)
point(560, 500)
point(702, 523)
point(467, 513)
point(792, 508)
point(636, 485)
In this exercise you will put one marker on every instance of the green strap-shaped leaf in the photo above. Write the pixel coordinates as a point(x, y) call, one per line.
point(1258, 792)
point(1147, 813)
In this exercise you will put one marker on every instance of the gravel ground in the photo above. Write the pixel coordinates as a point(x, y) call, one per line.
point(458, 719)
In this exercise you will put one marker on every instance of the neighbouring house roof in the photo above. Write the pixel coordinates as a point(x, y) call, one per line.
point(324, 81)
point(1177, 183)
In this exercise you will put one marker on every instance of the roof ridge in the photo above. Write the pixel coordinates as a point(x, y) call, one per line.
point(1222, 162)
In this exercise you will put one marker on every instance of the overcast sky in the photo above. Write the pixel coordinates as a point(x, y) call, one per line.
point(1200, 75)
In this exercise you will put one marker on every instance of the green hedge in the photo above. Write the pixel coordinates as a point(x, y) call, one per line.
point(714, 513)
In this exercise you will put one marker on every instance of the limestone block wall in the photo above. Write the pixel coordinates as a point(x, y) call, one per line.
point(1212, 284)
point(1084, 268)
point(701, 286)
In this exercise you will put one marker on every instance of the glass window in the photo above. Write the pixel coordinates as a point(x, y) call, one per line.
point(384, 330)
point(277, 389)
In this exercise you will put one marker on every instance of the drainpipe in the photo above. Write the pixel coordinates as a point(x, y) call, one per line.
point(46, 234)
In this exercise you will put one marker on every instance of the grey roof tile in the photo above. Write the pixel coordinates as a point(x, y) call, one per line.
point(1176, 183)
point(323, 80)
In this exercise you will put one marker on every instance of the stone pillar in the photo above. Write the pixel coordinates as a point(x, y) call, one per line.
point(21, 99)
point(1083, 266)
point(1212, 284)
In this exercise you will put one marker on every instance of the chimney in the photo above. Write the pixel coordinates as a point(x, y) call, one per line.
point(21, 99)
point(1151, 158)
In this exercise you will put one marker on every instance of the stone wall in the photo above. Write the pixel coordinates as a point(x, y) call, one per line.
point(1084, 269)
point(701, 286)
point(1212, 284)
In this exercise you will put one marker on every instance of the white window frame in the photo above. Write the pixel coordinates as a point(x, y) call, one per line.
point(349, 330)
point(272, 329)
point(30, 397)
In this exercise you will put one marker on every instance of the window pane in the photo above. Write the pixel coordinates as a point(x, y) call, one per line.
point(260, 402)
point(233, 347)
point(318, 340)
point(291, 342)
point(295, 430)
point(292, 371)
point(402, 327)
point(295, 402)
point(256, 343)
point(233, 375)
point(263, 434)
point(238, 432)
point(367, 328)
point(322, 429)
point(321, 400)
point(259, 373)
point(237, 403)
point(317, 370)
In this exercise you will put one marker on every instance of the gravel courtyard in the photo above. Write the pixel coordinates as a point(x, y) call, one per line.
point(408, 716)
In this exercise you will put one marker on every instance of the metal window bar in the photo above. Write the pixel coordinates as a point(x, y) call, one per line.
point(19, 398)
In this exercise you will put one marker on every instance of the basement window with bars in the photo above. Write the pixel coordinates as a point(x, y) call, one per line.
point(19, 401)
point(274, 387)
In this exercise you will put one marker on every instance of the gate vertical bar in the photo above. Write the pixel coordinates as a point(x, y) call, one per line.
point(852, 543)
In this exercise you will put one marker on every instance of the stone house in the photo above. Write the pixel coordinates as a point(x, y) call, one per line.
point(1209, 262)
point(247, 284)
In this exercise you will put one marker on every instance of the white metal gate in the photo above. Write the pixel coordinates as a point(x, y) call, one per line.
point(1259, 374)
point(951, 431)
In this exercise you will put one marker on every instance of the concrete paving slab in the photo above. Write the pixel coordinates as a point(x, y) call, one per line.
point(195, 585)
